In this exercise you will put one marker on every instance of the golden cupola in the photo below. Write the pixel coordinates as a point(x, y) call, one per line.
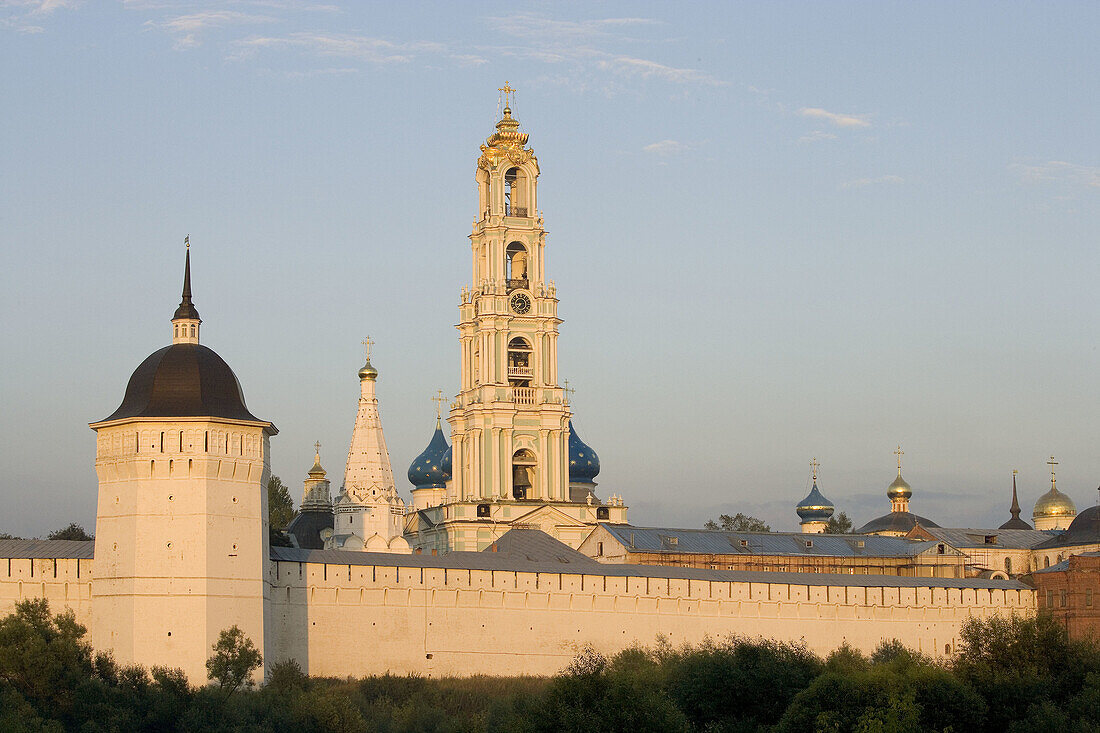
point(1053, 510)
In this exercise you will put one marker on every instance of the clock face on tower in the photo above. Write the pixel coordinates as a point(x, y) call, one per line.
point(520, 303)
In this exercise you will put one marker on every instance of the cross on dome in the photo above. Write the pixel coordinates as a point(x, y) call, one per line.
point(439, 399)
point(367, 343)
point(814, 465)
point(899, 453)
point(1052, 463)
point(507, 90)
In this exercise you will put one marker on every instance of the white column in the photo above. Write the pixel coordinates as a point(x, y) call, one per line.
point(544, 466)
point(494, 487)
point(507, 448)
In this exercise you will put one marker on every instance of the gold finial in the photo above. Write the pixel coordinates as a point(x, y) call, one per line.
point(1052, 463)
point(899, 453)
point(317, 448)
point(187, 241)
point(367, 343)
point(506, 90)
point(439, 399)
point(1014, 472)
point(814, 465)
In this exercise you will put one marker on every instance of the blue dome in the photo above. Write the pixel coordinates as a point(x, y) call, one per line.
point(815, 507)
point(584, 464)
point(429, 470)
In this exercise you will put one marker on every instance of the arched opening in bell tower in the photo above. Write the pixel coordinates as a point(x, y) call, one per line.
point(523, 474)
point(515, 193)
point(515, 266)
point(519, 362)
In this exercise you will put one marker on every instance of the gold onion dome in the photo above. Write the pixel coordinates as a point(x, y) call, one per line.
point(368, 372)
point(1054, 504)
point(900, 489)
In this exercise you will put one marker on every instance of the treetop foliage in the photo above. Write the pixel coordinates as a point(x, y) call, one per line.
point(280, 506)
point(737, 523)
point(73, 532)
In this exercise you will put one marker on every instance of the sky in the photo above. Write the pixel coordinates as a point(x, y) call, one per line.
point(779, 231)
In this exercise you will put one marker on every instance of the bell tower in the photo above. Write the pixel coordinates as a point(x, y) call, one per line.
point(510, 419)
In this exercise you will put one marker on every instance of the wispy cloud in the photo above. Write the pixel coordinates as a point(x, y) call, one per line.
point(861, 182)
point(593, 47)
point(186, 28)
point(25, 16)
point(362, 48)
point(667, 148)
point(547, 30)
point(653, 70)
point(840, 120)
point(817, 136)
point(1058, 171)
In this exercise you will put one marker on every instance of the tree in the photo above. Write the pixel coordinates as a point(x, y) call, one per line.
point(43, 658)
point(73, 532)
point(738, 523)
point(233, 661)
point(7, 536)
point(839, 524)
point(280, 507)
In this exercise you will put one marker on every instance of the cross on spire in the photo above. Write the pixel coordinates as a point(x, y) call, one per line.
point(439, 399)
point(367, 343)
point(814, 465)
point(187, 241)
point(569, 391)
point(899, 453)
point(506, 90)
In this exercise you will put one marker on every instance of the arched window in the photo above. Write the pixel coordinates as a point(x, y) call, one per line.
point(1008, 565)
point(515, 193)
point(524, 464)
point(192, 330)
point(515, 266)
point(520, 372)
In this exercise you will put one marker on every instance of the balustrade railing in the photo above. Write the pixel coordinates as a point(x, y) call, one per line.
point(519, 371)
point(523, 396)
point(516, 211)
point(514, 283)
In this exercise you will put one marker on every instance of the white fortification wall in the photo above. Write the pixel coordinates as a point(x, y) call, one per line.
point(340, 620)
point(370, 619)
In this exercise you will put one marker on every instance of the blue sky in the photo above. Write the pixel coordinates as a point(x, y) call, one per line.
point(778, 231)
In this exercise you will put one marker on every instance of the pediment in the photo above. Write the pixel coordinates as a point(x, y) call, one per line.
point(548, 518)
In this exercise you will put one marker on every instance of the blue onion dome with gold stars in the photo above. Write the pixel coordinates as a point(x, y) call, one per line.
point(426, 472)
point(584, 464)
point(446, 465)
point(815, 507)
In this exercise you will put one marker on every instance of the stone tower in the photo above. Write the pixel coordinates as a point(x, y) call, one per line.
point(510, 419)
point(181, 542)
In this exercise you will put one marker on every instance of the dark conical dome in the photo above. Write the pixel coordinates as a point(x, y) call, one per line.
point(584, 464)
point(183, 380)
point(427, 470)
point(815, 507)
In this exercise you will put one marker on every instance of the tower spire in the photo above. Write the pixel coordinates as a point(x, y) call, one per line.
point(185, 321)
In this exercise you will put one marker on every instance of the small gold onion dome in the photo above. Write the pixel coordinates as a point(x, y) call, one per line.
point(1054, 504)
point(317, 470)
point(900, 489)
point(368, 372)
